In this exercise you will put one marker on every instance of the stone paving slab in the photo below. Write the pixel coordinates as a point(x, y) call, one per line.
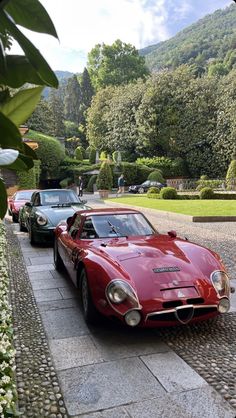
point(74, 352)
point(120, 343)
point(39, 267)
point(32, 261)
point(37, 275)
point(119, 412)
point(172, 372)
point(58, 304)
point(46, 295)
point(105, 385)
point(204, 402)
point(64, 323)
point(69, 292)
point(43, 284)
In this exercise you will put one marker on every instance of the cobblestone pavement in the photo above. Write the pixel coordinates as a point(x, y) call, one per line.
point(90, 382)
point(38, 388)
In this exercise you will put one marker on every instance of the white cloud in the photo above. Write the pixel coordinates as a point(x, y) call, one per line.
point(82, 24)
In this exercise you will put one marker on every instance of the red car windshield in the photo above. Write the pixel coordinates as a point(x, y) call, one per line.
point(24, 195)
point(117, 225)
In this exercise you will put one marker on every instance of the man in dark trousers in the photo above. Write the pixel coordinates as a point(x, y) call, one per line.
point(121, 185)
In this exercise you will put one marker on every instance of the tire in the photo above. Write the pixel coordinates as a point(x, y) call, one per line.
point(89, 311)
point(31, 236)
point(14, 218)
point(141, 190)
point(58, 263)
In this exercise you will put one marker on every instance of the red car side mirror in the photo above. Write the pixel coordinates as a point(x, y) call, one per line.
point(172, 234)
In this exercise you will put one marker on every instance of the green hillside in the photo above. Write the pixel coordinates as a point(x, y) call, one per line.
point(211, 39)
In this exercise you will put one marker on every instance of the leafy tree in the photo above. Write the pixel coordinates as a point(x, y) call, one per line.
point(56, 108)
point(41, 119)
point(115, 64)
point(71, 129)
point(92, 155)
point(217, 69)
point(87, 90)
point(73, 100)
point(15, 71)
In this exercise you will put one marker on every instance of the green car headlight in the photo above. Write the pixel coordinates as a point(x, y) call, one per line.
point(41, 219)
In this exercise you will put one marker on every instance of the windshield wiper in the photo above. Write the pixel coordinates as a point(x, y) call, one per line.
point(114, 228)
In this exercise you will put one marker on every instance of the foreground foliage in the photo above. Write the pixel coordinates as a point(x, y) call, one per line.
point(15, 71)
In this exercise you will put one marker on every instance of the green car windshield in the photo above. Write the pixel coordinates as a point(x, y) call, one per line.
point(58, 197)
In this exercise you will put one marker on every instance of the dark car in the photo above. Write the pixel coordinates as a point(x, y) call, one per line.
point(126, 270)
point(45, 210)
point(17, 201)
point(143, 188)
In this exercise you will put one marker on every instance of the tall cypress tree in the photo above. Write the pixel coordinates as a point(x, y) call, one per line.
point(73, 99)
point(56, 107)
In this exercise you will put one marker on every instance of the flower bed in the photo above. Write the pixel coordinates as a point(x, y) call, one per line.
point(7, 352)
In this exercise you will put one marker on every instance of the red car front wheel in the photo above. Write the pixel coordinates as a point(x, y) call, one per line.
point(89, 310)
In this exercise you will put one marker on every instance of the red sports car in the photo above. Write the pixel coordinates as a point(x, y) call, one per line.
point(17, 201)
point(125, 269)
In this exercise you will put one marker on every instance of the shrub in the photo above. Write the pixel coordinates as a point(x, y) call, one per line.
point(231, 175)
point(204, 177)
point(153, 195)
point(29, 179)
point(206, 193)
point(78, 154)
point(103, 155)
point(92, 156)
point(168, 167)
point(91, 182)
point(66, 182)
point(213, 184)
point(153, 190)
point(156, 176)
point(168, 193)
point(49, 152)
point(105, 178)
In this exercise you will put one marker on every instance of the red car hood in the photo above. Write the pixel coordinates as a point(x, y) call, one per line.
point(156, 263)
point(17, 204)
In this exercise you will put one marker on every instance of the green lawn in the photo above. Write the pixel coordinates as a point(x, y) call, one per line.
point(187, 207)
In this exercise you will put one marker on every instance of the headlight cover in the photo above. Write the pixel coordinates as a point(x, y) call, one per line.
point(121, 296)
point(41, 219)
point(220, 282)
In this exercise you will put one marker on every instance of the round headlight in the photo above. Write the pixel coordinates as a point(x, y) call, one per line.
point(220, 282)
point(224, 305)
point(116, 292)
point(132, 318)
point(41, 220)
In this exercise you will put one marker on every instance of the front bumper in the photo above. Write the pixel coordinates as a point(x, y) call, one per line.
point(43, 234)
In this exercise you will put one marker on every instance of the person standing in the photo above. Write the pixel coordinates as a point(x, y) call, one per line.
point(81, 185)
point(121, 184)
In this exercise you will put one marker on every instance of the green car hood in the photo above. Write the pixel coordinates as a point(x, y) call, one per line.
point(60, 213)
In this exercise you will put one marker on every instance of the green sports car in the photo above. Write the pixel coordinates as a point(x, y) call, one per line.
point(45, 210)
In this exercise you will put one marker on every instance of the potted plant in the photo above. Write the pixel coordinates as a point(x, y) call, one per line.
point(104, 180)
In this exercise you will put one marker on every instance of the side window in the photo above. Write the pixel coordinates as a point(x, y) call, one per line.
point(35, 199)
point(88, 231)
point(75, 227)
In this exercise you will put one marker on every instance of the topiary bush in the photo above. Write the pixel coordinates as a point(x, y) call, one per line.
point(156, 176)
point(105, 178)
point(92, 156)
point(78, 154)
point(168, 193)
point(231, 175)
point(153, 190)
point(91, 183)
point(49, 152)
point(29, 179)
point(206, 193)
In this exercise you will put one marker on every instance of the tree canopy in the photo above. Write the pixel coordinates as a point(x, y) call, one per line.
point(115, 64)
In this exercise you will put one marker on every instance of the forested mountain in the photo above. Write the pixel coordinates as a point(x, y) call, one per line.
point(62, 78)
point(211, 39)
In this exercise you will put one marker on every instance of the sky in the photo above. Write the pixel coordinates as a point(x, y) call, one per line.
point(81, 24)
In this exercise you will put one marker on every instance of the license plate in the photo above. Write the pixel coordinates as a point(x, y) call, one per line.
point(183, 292)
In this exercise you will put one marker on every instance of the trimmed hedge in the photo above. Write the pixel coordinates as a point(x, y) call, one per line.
point(91, 182)
point(168, 193)
point(104, 178)
point(156, 175)
point(29, 179)
point(207, 193)
point(168, 167)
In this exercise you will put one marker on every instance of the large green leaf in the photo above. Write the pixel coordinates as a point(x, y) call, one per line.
point(32, 53)
point(3, 200)
point(19, 107)
point(29, 151)
point(10, 136)
point(2, 58)
point(22, 163)
point(19, 72)
point(32, 15)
